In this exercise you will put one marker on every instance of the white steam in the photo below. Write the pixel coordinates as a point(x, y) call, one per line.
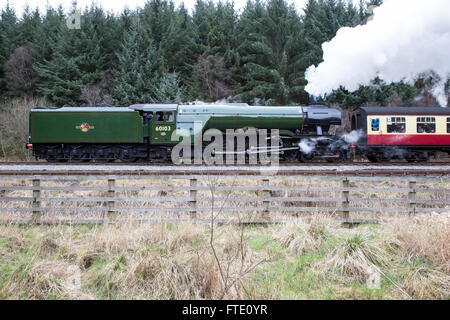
point(353, 136)
point(404, 39)
point(307, 146)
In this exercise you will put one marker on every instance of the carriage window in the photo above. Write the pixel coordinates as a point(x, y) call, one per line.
point(375, 124)
point(448, 125)
point(396, 124)
point(426, 124)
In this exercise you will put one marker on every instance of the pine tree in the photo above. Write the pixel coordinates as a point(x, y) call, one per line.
point(253, 53)
point(168, 89)
point(135, 78)
point(215, 27)
point(60, 80)
point(29, 25)
point(155, 19)
point(47, 34)
point(172, 34)
point(178, 46)
point(78, 60)
point(268, 40)
point(9, 40)
point(9, 36)
point(203, 18)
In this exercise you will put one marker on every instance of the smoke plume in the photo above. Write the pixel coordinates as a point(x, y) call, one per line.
point(404, 39)
point(353, 137)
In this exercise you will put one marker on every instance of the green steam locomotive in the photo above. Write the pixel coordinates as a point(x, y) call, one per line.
point(151, 131)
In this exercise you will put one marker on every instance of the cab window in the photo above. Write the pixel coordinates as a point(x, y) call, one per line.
point(396, 125)
point(168, 116)
point(159, 116)
point(426, 124)
point(164, 116)
point(448, 125)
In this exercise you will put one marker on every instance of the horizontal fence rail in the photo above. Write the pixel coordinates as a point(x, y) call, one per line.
point(243, 199)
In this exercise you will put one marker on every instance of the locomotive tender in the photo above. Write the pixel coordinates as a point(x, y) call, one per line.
point(145, 131)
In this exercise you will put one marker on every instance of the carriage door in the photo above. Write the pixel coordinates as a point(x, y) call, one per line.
point(163, 126)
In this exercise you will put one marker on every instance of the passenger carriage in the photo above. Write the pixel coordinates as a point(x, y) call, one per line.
point(411, 133)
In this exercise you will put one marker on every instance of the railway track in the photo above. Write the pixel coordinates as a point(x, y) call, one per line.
point(146, 169)
point(168, 164)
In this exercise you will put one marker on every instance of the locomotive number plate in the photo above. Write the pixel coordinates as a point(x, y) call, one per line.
point(162, 128)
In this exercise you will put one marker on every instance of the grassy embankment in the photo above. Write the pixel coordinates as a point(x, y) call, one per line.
point(312, 260)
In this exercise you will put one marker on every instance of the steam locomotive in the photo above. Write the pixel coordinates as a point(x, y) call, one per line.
point(152, 131)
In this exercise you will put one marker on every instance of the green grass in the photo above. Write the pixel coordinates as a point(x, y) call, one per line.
point(296, 278)
point(100, 276)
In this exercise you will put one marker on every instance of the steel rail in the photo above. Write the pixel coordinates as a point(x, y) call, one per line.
point(282, 164)
point(149, 172)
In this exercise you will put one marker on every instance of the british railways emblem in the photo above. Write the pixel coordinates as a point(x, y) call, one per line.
point(84, 127)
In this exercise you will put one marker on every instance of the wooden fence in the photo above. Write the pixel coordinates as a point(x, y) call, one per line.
point(252, 199)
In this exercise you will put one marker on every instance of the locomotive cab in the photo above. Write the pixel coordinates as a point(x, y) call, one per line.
point(160, 121)
point(159, 124)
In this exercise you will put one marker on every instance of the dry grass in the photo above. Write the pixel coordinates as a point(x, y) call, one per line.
point(138, 261)
point(14, 127)
point(311, 259)
point(374, 257)
point(305, 237)
point(427, 237)
point(425, 244)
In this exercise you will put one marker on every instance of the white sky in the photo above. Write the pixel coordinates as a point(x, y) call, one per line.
point(114, 5)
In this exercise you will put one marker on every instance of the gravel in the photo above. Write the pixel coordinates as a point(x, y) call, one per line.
point(134, 168)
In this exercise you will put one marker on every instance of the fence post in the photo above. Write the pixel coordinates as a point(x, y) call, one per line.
point(265, 195)
point(345, 195)
point(193, 196)
point(412, 198)
point(36, 199)
point(111, 194)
